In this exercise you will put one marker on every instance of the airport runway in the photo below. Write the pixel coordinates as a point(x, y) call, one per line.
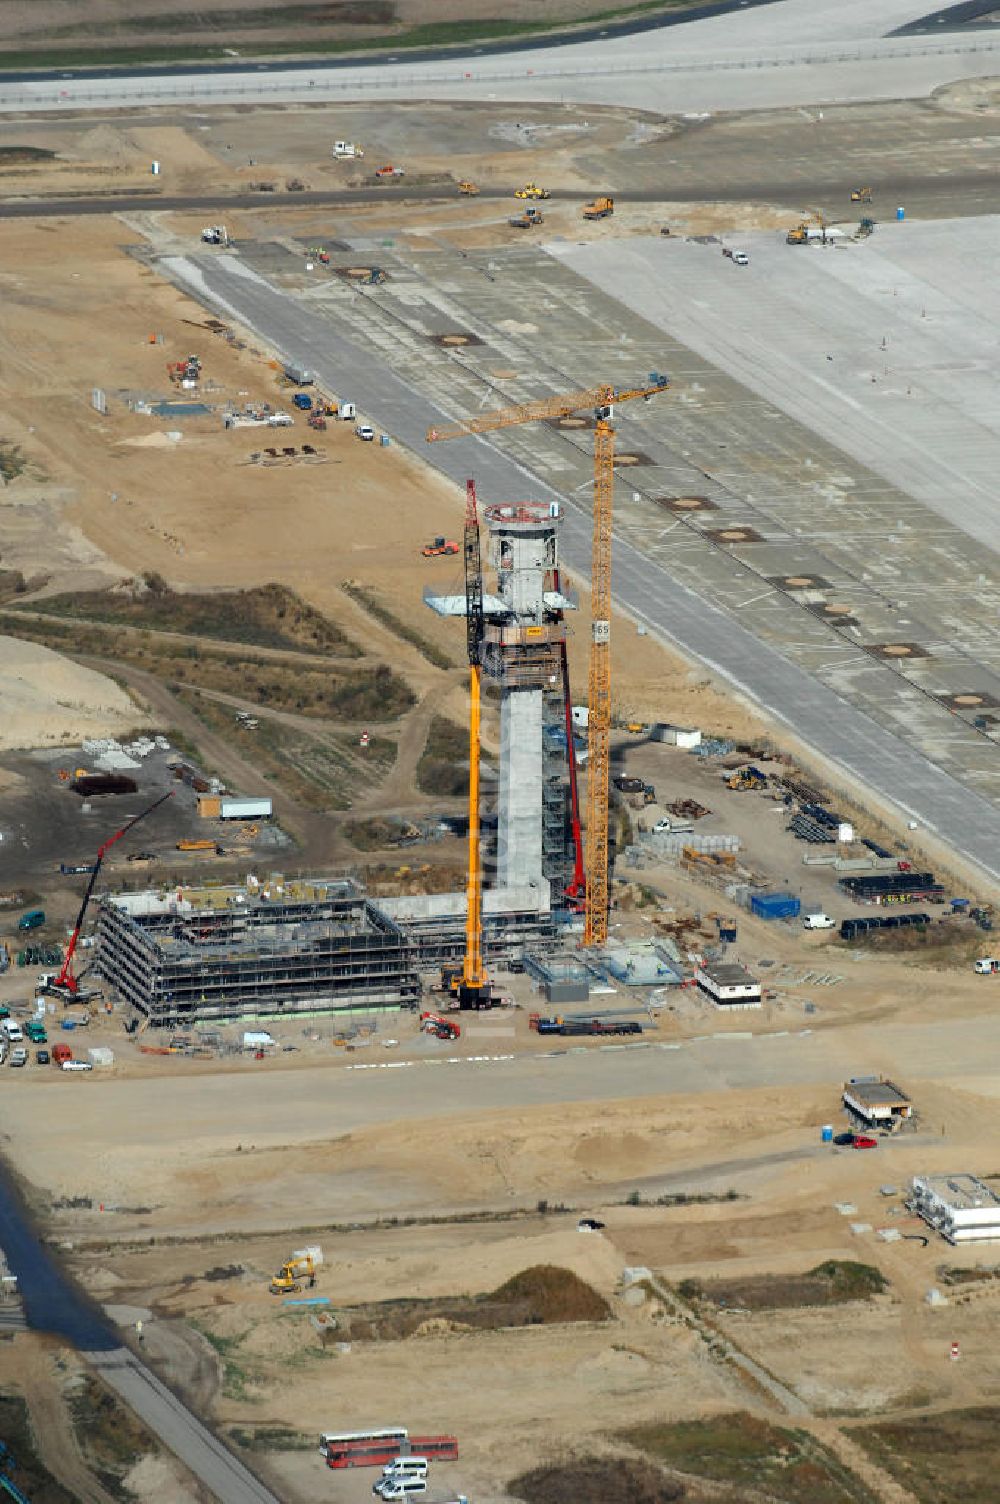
point(838, 730)
point(801, 52)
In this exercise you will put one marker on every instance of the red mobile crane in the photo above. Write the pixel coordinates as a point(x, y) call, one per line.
point(66, 985)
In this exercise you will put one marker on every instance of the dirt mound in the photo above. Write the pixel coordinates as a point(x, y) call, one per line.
point(597, 1480)
point(105, 143)
point(542, 1295)
point(553, 1294)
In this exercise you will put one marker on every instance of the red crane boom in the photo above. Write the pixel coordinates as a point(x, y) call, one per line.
point(66, 981)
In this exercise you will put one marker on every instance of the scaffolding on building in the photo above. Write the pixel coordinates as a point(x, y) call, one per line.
point(231, 953)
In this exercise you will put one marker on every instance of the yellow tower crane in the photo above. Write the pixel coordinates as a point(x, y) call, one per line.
point(601, 400)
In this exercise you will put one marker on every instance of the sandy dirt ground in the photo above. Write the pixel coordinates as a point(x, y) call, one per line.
point(49, 701)
point(262, 1163)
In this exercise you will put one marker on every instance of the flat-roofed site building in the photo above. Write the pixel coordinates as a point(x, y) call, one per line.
point(729, 985)
point(962, 1208)
point(262, 950)
point(877, 1103)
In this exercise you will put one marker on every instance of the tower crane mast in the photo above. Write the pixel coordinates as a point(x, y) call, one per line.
point(601, 400)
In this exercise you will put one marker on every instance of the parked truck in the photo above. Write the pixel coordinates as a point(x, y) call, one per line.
point(599, 209)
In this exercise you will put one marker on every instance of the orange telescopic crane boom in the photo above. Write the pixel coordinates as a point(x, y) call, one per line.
point(474, 988)
point(601, 400)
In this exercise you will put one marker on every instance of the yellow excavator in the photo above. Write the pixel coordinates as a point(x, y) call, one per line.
point(298, 1270)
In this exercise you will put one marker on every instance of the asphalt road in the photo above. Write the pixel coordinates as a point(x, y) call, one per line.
point(902, 187)
point(212, 1464)
point(843, 734)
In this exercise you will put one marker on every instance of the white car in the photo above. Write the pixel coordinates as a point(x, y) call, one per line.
point(365, 431)
point(19, 1056)
point(76, 1065)
point(740, 258)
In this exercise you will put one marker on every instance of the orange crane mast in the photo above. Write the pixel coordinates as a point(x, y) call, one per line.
point(601, 400)
point(474, 987)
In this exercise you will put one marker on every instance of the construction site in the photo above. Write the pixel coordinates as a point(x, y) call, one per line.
point(498, 817)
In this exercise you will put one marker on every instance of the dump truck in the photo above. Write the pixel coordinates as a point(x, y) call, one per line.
point(599, 209)
point(388, 172)
point(861, 195)
point(301, 1267)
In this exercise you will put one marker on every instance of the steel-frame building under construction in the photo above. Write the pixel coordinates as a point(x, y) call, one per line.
point(263, 950)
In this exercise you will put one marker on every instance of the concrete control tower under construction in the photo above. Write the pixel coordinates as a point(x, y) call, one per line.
point(523, 633)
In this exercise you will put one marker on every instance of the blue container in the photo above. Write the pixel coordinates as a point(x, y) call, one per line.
point(384, 440)
point(900, 213)
point(68, 1023)
point(826, 1133)
point(774, 905)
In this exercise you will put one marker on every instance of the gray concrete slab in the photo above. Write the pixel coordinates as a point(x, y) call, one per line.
point(886, 347)
point(406, 402)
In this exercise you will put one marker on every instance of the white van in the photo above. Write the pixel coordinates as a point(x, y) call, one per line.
point(406, 1467)
point(12, 1031)
point(818, 922)
point(987, 966)
point(399, 1488)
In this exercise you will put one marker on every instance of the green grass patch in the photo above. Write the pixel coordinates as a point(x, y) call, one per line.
point(833, 1283)
point(937, 1458)
point(268, 616)
point(369, 601)
point(16, 156)
point(13, 462)
point(318, 773)
point(444, 763)
point(741, 1449)
point(28, 1474)
point(236, 1381)
point(271, 1439)
point(110, 1438)
point(363, 694)
point(430, 34)
point(597, 1480)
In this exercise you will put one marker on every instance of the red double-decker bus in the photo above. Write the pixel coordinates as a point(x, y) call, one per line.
point(378, 1448)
